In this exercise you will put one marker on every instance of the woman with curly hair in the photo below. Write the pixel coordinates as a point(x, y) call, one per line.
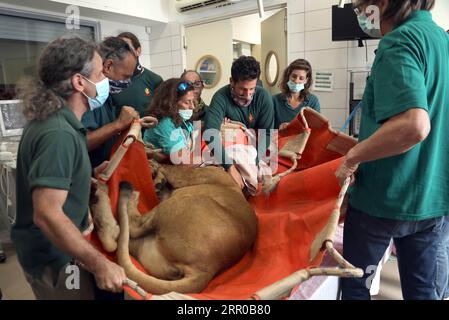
point(172, 105)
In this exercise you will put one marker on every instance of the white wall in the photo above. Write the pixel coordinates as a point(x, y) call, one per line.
point(219, 45)
point(246, 28)
point(167, 56)
point(309, 37)
point(440, 13)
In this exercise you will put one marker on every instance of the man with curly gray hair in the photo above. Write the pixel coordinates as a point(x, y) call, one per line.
point(54, 176)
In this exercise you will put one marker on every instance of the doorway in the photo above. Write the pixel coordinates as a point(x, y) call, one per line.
point(212, 47)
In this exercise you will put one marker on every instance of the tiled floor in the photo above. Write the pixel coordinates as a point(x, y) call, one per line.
point(12, 281)
point(15, 287)
point(390, 288)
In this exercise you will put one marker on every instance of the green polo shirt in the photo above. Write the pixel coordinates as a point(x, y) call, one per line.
point(52, 154)
point(411, 70)
point(258, 115)
point(169, 137)
point(284, 112)
point(95, 119)
point(139, 94)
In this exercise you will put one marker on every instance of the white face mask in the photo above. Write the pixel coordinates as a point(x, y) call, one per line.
point(185, 114)
point(102, 88)
point(295, 87)
point(368, 28)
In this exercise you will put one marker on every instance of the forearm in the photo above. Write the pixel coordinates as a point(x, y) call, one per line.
point(393, 138)
point(63, 233)
point(97, 137)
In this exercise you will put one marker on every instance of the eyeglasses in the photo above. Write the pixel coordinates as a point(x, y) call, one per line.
point(184, 86)
point(197, 84)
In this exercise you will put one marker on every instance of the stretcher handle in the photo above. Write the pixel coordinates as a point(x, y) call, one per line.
point(132, 135)
point(328, 232)
point(324, 240)
point(283, 287)
point(133, 285)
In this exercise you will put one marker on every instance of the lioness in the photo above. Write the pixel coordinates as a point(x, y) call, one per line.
point(204, 227)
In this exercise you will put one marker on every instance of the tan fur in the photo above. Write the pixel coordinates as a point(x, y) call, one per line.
point(205, 227)
point(105, 224)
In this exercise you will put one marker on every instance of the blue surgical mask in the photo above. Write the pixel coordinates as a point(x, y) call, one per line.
point(102, 88)
point(186, 114)
point(295, 87)
point(366, 26)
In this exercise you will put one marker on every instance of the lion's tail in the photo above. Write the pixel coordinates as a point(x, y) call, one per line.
point(193, 280)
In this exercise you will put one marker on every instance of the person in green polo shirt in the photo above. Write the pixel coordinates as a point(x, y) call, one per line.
point(243, 101)
point(200, 106)
point(54, 176)
point(295, 93)
point(103, 124)
point(172, 105)
point(400, 163)
point(138, 91)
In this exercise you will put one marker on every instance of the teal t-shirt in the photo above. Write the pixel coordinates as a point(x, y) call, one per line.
point(169, 137)
point(258, 115)
point(284, 112)
point(411, 70)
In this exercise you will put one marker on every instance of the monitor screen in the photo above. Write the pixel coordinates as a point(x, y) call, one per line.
point(12, 120)
point(345, 25)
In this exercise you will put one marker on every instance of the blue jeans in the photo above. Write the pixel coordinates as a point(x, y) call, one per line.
point(365, 239)
point(442, 277)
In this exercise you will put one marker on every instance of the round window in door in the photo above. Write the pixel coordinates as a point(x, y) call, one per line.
point(210, 71)
point(271, 68)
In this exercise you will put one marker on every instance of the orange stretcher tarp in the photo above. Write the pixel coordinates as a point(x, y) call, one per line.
point(289, 219)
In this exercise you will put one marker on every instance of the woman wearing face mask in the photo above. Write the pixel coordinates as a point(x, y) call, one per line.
point(172, 105)
point(401, 182)
point(295, 93)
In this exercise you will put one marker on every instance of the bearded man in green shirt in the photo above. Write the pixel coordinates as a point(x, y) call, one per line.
point(243, 101)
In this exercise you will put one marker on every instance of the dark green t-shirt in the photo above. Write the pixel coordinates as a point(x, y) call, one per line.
point(52, 154)
point(139, 94)
point(258, 115)
point(95, 119)
point(411, 70)
point(283, 111)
